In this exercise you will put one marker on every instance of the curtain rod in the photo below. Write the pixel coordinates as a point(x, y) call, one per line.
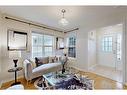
point(72, 30)
point(32, 24)
point(40, 25)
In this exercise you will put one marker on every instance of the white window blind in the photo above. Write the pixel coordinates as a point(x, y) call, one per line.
point(42, 45)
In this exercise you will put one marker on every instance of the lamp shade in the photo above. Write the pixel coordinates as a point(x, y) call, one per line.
point(65, 50)
point(14, 54)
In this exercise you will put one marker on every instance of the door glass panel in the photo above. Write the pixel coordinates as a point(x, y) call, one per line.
point(107, 44)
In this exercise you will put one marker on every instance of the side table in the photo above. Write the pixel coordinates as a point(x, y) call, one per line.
point(15, 70)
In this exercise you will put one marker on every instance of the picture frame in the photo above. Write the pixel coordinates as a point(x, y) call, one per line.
point(59, 43)
point(16, 40)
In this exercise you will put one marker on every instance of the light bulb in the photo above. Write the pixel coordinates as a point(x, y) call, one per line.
point(64, 22)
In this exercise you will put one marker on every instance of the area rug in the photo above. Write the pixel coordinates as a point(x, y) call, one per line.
point(69, 84)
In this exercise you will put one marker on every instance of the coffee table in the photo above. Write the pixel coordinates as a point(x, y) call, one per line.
point(68, 80)
point(55, 77)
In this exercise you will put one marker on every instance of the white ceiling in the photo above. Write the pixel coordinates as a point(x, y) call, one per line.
point(78, 16)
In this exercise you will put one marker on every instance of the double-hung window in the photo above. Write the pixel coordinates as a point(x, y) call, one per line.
point(72, 46)
point(42, 45)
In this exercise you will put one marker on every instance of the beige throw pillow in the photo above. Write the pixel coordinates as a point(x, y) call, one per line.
point(53, 59)
point(32, 61)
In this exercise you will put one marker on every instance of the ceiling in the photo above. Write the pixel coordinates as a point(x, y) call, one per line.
point(78, 16)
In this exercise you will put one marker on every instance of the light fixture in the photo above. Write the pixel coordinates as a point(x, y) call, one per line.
point(63, 21)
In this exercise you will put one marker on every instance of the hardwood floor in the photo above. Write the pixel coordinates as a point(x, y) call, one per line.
point(99, 82)
point(108, 72)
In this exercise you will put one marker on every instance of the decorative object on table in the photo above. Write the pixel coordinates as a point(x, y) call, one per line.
point(16, 40)
point(40, 84)
point(15, 55)
point(64, 59)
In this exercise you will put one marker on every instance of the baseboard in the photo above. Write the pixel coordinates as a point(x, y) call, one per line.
point(10, 79)
point(80, 69)
point(92, 66)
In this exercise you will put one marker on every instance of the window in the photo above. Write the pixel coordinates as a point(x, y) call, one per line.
point(107, 44)
point(72, 46)
point(42, 45)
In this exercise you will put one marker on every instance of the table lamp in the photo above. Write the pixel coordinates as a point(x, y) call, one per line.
point(64, 59)
point(65, 51)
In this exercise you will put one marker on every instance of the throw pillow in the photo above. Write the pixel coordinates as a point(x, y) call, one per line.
point(41, 60)
point(53, 59)
point(32, 61)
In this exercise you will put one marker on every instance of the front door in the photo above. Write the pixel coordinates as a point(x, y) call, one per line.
point(111, 50)
point(108, 54)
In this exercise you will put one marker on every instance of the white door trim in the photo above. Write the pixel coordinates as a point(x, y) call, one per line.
point(124, 50)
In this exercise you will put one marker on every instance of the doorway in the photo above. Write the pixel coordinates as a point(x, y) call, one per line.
point(108, 52)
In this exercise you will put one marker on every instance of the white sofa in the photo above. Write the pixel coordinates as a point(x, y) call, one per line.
point(31, 71)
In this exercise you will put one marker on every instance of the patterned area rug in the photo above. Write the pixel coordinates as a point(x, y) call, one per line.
point(69, 84)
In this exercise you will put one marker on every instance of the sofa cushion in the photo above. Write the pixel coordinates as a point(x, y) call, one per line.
point(41, 60)
point(45, 68)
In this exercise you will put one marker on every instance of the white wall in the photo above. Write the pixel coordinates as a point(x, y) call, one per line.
point(0, 51)
point(8, 63)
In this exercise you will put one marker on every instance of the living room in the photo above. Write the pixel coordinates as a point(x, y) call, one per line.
point(45, 36)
